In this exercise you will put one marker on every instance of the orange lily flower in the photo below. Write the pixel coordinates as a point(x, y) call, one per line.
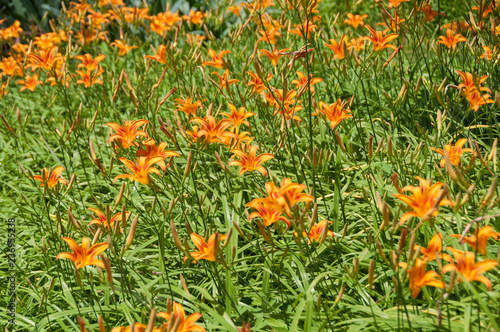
point(83, 255)
point(127, 133)
point(187, 105)
point(285, 106)
point(274, 56)
point(169, 18)
point(268, 214)
point(338, 48)
point(158, 27)
point(469, 269)
point(141, 170)
point(423, 199)
point(217, 60)
point(153, 151)
point(206, 251)
point(394, 23)
point(103, 220)
point(434, 248)
point(420, 278)
point(212, 131)
point(283, 198)
point(235, 9)
point(356, 43)
point(12, 32)
point(487, 9)
point(488, 53)
point(224, 81)
point(380, 40)
point(396, 3)
point(302, 82)
point(122, 47)
point(238, 116)
point(89, 78)
point(335, 113)
point(185, 324)
point(237, 138)
point(10, 67)
point(479, 241)
point(193, 133)
point(356, 20)
point(270, 35)
point(257, 83)
point(307, 26)
point(477, 100)
point(88, 62)
point(249, 161)
point(454, 151)
point(471, 84)
point(46, 59)
point(317, 231)
point(451, 40)
point(429, 13)
point(195, 18)
point(29, 82)
point(160, 56)
point(51, 177)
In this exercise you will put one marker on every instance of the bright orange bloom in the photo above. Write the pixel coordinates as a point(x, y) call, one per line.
point(486, 9)
point(153, 151)
point(13, 31)
point(302, 82)
point(257, 5)
point(318, 232)
point(488, 53)
point(338, 48)
point(193, 133)
point(29, 82)
point(10, 67)
point(47, 40)
point(138, 327)
point(356, 43)
point(429, 13)
point(469, 269)
point(235, 9)
point(98, 19)
point(396, 3)
point(213, 131)
point(83, 255)
point(141, 170)
point(471, 83)
point(356, 20)
point(103, 220)
point(46, 59)
point(18, 51)
point(127, 133)
point(206, 251)
point(307, 26)
point(477, 100)
point(185, 324)
point(454, 151)
point(238, 116)
point(187, 105)
point(195, 18)
point(433, 249)
point(169, 18)
point(423, 199)
point(237, 138)
point(224, 81)
point(158, 27)
point(88, 62)
point(160, 56)
point(258, 84)
point(286, 106)
point(283, 198)
point(268, 214)
point(420, 278)
point(89, 78)
point(249, 161)
point(451, 40)
point(479, 241)
point(270, 35)
point(335, 113)
point(274, 56)
point(51, 177)
point(380, 40)
point(217, 60)
point(122, 47)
